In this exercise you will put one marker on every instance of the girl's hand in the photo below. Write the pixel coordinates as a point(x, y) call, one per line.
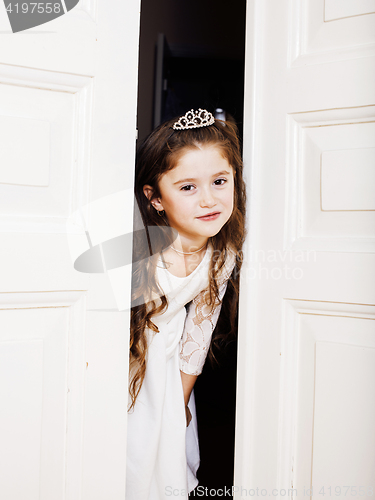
point(188, 416)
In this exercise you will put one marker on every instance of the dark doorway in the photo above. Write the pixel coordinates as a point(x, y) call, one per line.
point(192, 56)
point(204, 58)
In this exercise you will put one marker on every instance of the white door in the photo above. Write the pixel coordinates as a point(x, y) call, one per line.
point(306, 377)
point(67, 137)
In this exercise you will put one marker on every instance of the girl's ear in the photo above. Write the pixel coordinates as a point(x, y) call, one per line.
point(155, 202)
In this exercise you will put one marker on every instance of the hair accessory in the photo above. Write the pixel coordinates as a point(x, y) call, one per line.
point(194, 119)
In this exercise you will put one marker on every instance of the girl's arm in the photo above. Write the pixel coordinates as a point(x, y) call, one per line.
point(188, 382)
point(195, 343)
point(196, 337)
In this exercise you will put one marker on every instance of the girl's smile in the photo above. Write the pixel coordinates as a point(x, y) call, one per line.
point(211, 216)
point(197, 195)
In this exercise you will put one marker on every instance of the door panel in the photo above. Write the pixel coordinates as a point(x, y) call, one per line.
point(67, 138)
point(38, 331)
point(330, 30)
point(307, 330)
point(330, 175)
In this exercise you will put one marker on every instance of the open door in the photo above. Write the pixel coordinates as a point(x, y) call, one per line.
point(67, 120)
point(306, 376)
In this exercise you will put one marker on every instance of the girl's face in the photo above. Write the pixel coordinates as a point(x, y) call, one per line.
point(197, 194)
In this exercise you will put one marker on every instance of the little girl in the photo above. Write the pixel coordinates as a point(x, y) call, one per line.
point(188, 180)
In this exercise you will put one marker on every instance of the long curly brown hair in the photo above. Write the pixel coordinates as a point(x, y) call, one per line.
point(159, 153)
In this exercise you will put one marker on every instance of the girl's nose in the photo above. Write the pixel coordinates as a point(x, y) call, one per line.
point(207, 200)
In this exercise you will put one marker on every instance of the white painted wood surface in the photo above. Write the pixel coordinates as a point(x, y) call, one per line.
point(305, 406)
point(67, 137)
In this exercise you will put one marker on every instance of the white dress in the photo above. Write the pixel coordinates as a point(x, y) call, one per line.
point(162, 453)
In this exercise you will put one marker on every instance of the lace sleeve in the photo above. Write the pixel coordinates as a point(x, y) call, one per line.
point(199, 325)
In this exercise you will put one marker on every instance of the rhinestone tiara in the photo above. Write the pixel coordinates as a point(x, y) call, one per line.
point(194, 119)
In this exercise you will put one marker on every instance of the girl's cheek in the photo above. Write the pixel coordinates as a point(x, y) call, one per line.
point(230, 198)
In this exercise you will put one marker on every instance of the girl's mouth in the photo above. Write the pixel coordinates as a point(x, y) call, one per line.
point(211, 216)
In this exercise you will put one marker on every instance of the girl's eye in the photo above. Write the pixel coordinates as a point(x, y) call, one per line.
point(217, 182)
point(220, 182)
